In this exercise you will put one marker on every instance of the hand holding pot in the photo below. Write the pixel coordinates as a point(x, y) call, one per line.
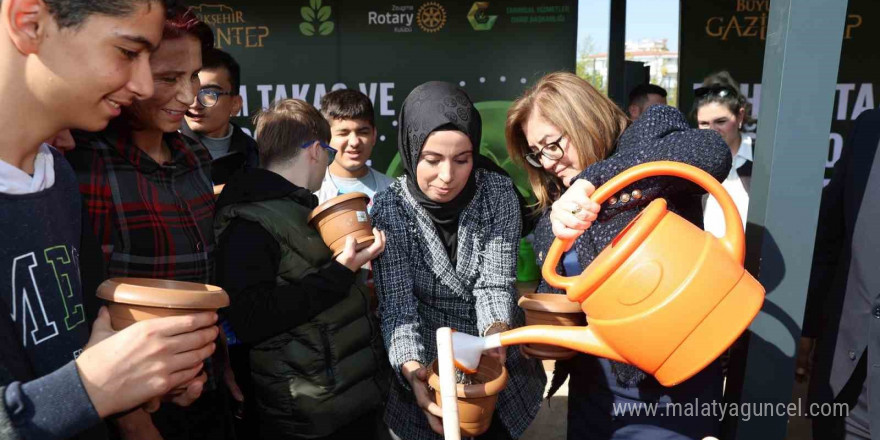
point(417, 376)
point(574, 212)
point(354, 259)
point(121, 370)
point(184, 395)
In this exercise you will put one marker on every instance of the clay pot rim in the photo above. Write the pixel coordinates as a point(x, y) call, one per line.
point(163, 293)
point(473, 391)
point(335, 201)
point(549, 302)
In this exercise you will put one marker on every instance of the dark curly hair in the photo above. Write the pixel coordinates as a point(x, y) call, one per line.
point(721, 88)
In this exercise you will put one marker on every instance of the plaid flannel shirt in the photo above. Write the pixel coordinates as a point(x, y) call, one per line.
point(153, 221)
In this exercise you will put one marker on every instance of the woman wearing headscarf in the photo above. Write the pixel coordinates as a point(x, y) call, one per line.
point(452, 227)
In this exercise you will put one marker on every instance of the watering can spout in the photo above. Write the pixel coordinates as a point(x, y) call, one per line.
point(581, 339)
point(467, 349)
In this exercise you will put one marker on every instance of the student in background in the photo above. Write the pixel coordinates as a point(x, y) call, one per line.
point(353, 135)
point(208, 118)
point(720, 106)
point(644, 96)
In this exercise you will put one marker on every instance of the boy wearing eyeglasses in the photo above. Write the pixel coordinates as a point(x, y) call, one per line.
point(317, 362)
point(208, 119)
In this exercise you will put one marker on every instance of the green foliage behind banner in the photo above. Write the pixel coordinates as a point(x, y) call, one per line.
point(730, 35)
point(306, 48)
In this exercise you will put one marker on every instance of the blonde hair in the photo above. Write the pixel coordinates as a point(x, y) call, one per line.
point(591, 122)
point(286, 125)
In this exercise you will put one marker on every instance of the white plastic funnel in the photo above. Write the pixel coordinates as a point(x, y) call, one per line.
point(468, 349)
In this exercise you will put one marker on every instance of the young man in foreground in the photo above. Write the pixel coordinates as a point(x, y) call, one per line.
point(72, 64)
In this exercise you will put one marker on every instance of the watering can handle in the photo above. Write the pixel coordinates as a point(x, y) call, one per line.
point(733, 240)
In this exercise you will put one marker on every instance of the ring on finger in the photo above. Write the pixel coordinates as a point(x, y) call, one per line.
point(576, 210)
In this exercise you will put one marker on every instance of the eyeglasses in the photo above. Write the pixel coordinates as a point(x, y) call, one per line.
point(210, 97)
point(331, 152)
point(552, 151)
point(718, 90)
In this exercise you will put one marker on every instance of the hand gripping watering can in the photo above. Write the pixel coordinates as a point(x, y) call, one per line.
point(664, 295)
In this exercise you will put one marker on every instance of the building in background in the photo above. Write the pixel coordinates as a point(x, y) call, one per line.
point(653, 53)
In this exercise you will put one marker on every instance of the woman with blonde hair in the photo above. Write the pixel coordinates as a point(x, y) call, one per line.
point(571, 139)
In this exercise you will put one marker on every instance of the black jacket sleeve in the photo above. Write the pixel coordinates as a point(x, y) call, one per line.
point(829, 246)
point(247, 266)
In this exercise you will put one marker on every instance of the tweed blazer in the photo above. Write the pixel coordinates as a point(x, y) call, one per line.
point(662, 133)
point(420, 291)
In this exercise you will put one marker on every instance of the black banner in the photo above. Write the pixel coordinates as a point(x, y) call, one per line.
point(730, 35)
point(306, 48)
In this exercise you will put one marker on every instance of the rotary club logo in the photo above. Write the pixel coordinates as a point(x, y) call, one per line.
point(431, 17)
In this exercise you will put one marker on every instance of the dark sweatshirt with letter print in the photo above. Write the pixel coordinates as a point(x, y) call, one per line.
point(43, 320)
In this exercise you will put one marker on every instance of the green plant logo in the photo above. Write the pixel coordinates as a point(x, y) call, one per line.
point(315, 14)
point(479, 19)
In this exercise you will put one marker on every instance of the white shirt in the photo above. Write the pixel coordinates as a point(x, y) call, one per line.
point(15, 181)
point(713, 216)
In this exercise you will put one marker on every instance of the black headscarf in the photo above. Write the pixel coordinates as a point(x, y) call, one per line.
point(430, 107)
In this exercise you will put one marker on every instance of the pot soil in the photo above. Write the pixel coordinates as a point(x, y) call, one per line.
point(476, 401)
point(550, 309)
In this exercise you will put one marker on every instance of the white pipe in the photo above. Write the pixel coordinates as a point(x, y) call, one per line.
point(446, 371)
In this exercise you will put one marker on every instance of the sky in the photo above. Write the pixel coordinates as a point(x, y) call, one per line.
point(652, 19)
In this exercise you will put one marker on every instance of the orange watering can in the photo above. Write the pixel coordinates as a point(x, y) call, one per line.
point(664, 295)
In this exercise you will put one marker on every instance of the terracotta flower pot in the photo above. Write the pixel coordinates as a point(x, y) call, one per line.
point(476, 402)
point(341, 217)
point(137, 299)
point(550, 309)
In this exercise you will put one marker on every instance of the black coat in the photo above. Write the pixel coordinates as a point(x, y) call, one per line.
point(243, 154)
point(845, 316)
